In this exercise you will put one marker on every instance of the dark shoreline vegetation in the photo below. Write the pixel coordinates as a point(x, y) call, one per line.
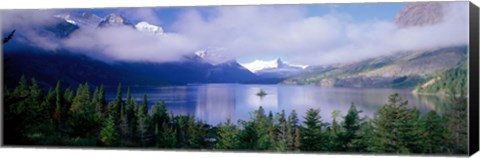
point(64, 117)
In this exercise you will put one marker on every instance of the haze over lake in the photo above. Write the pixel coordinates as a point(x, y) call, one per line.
point(214, 103)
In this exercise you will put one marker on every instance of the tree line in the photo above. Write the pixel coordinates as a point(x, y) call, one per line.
point(67, 117)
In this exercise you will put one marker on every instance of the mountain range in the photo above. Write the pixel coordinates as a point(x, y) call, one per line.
point(410, 69)
point(73, 67)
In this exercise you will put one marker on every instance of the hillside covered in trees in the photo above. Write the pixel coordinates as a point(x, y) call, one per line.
point(67, 117)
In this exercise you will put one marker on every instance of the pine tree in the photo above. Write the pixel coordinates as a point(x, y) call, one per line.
point(334, 134)
point(81, 99)
point(312, 135)
point(297, 144)
point(57, 115)
point(248, 135)
point(143, 123)
point(195, 134)
point(108, 134)
point(396, 127)
point(227, 136)
point(282, 135)
point(130, 106)
point(366, 139)
point(433, 133)
point(21, 90)
point(168, 138)
point(99, 100)
point(350, 127)
point(263, 129)
point(117, 109)
point(68, 96)
point(457, 122)
point(292, 126)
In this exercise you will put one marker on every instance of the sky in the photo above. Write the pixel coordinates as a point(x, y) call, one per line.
point(315, 34)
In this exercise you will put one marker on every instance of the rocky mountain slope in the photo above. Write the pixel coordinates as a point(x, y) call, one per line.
point(407, 69)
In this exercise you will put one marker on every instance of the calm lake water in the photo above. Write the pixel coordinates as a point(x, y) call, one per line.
point(214, 103)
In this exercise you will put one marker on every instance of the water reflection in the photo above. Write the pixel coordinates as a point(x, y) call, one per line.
point(215, 103)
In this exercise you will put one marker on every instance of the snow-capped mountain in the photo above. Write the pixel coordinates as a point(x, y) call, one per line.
point(213, 55)
point(81, 20)
point(147, 27)
point(274, 68)
point(113, 20)
point(259, 65)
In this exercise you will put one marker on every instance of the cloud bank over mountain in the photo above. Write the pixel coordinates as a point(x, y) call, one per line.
point(243, 31)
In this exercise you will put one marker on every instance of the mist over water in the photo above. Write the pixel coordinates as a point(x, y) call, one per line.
point(214, 103)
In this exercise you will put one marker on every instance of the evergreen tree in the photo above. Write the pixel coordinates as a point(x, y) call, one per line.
point(263, 130)
point(350, 127)
point(99, 100)
point(311, 135)
point(68, 96)
point(143, 123)
point(57, 115)
point(334, 134)
point(81, 99)
point(433, 133)
point(22, 89)
point(366, 139)
point(130, 105)
point(248, 135)
point(292, 126)
point(396, 127)
point(195, 134)
point(282, 134)
point(296, 143)
point(108, 134)
point(117, 109)
point(227, 136)
point(168, 138)
point(457, 122)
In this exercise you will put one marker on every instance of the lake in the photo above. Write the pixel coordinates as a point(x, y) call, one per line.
point(214, 103)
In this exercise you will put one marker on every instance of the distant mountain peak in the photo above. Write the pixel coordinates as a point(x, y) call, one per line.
point(144, 26)
point(82, 20)
point(113, 20)
point(420, 14)
point(277, 63)
point(201, 53)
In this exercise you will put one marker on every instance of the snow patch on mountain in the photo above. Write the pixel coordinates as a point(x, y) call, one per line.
point(147, 27)
point(259, 65)
point(81, 20)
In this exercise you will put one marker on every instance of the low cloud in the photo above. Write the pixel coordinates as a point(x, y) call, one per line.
point(127, 44)
point(327, 39)
point(27, 22)
point(249, 31)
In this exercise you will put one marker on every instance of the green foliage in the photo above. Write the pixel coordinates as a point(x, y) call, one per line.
point(396, 127)
point(108, 134)
point(263, 129)
point(313, 133)
point(143, 124)
point(348, 137)
point(282, 137)
point(227, 136)
point(81, 101)
point(453, 79)
point(457, 123)
point(76, 119)
point(433, 133)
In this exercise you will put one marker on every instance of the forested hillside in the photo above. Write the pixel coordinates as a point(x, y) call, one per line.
point(444, 82)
